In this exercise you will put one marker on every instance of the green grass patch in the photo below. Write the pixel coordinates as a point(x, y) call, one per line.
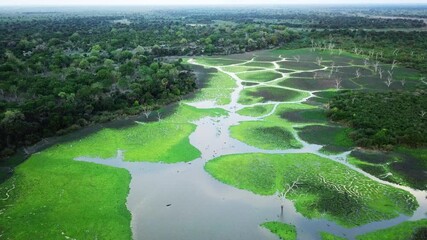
point(218, 87)
point(416, 230)
point(236, 69)
point(256, 111)
point(329, 236)
point(259, 76)
point(265, 135)
point(308, 83)
point(162, 141)
point(259, 64)
point(299, 65)
point(315, 115)
point(55, 196)
point(266, 94)
point(217, 61)
point(282, 230)
point(327, 135)
point(326, 189)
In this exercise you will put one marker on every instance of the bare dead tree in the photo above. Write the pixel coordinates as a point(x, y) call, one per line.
point(313, 48)
point(319, 60)
point(395, 51)
point(159, 116)
point(26, 151)
point(403, 81)
point(146, 111)
point(297, 58)
point(340, 51)
point(356, 50)
point(338, 83)
point(315, 75)
point(376, 65)
point(358, 73)
point(389, 81)
point(366, 62)
point(423, 113)
point(390, 73)
point(288, 188)
point(393, 65)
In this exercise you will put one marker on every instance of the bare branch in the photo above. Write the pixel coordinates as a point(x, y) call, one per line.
point(146, 111)
point(358, 74)
point(389, 81)
point(393, 65)
point(319, 60)
point(338, 83)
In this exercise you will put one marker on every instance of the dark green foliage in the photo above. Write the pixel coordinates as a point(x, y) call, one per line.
point(305, 116)
point(274, 94)
point(408, 166)
point(327, 135)
point(56, 86)
point(383, 119)
point(420, 234)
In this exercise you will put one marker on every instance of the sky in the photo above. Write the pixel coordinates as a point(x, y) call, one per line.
point(198, 2)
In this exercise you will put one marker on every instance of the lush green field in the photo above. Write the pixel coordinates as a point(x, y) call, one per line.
point(270, 133)
point(217, 61)
point(259, 76)
point(218, 88)
point(282, 230)
point(237, 69)
point(329, 236)
point(266, 94)
point(260, 64)
point(299, 65)
point(407, 230)
point(326, 189)
point(55, 197)
point(327, 135)
point(265, 135)
point(256, 111)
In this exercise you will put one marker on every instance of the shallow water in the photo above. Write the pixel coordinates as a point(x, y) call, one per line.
point(182, 201)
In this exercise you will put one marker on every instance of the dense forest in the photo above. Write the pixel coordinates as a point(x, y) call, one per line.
point(382, 120)
point(61, 73)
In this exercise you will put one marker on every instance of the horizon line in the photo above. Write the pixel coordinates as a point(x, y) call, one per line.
point(213, 4)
